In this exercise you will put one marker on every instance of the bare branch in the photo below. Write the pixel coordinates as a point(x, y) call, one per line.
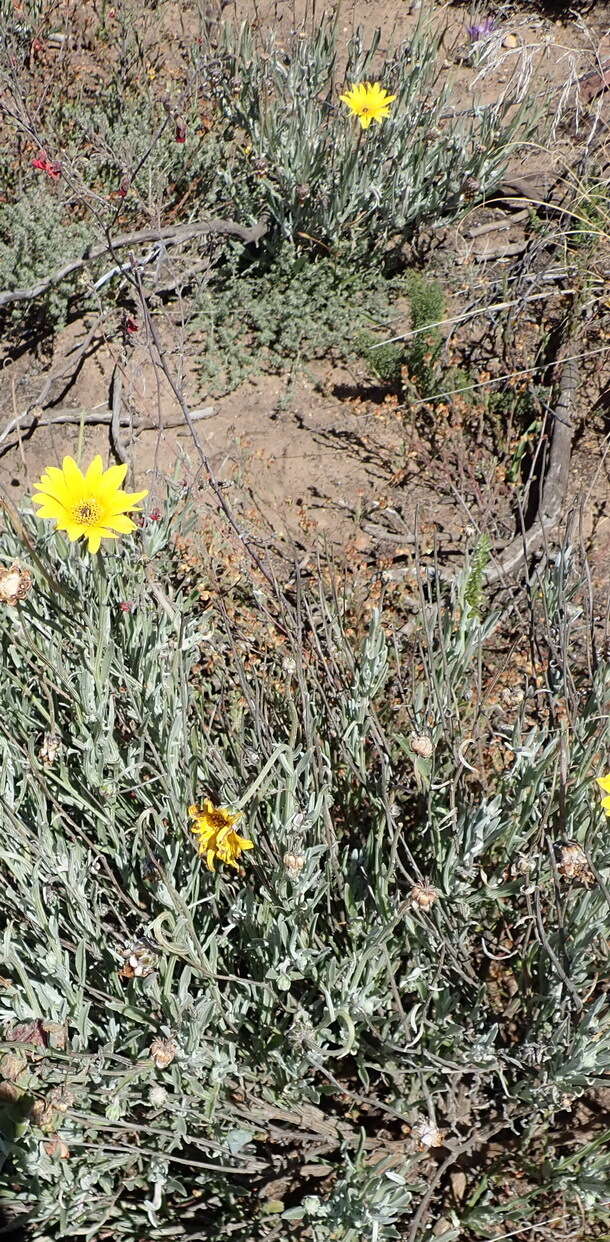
point(170, 237)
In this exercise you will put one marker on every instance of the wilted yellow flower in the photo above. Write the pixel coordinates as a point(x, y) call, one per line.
point(217, 836)
point(90, 504)
point(369, 102)
point(604, 784)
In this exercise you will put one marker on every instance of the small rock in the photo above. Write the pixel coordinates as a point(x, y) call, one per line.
point(510, 40)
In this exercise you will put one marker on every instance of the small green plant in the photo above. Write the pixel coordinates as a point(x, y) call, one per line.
point(267, 316)
point(413, 362)
point(475, 583)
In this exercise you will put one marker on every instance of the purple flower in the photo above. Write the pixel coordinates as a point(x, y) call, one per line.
point(481, 29)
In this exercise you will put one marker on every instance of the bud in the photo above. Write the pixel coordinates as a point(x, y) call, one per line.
point(163, 1052)
point(14, 584)
point(424, 896)
point(422, 746)
point(427, 1134)
point(293, 863)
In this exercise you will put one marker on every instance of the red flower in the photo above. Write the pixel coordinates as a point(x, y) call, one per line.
point(123, 188)
point(126, 605)
point(180, 131)
point(50, 167)
point(131, 325)
point(155, 515)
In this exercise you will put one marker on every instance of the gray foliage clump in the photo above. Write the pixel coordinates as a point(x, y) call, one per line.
point(409, 965)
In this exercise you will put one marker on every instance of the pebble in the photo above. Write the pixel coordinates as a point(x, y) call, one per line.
point(510, 40)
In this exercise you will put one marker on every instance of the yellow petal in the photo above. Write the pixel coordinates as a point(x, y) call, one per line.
point(113, 477)
point(120, 502)
point(53, 483)
point(73, 477)
point(210, 860)
point(50, 507)
point(193, 809)
point(118, 521)
point(95, 540)
point(94, 471)
point(604, 783)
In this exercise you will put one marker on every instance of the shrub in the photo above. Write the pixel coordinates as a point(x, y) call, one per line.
point(413, 956)
point(300, 158)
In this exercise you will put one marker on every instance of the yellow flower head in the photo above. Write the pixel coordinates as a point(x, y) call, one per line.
point(90, 504)
point(604, 784)
point(217, 836)
point(369, 102)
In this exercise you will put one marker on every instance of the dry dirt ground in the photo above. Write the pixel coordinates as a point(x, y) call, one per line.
point(323, 458)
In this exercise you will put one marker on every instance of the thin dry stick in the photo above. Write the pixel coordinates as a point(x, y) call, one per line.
point(92, 417)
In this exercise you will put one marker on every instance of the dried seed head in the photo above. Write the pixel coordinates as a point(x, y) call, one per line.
point(140, 960)
point(157, 1096)
point(61, 1098)
point(163, 1052)
point(51, 746)
point(573, 864)
point(421, 745)
point(424, 896)
point(15, 583)
point(28, 1033)
point(56, 1147)
point(11, 1065)
point(293, 863)
point(43, 1113)
point(10, 1092)
point(426, 1134)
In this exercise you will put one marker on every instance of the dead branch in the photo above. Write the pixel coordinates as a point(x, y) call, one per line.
point(171, 236)
point(34, 417)
point(555, 483)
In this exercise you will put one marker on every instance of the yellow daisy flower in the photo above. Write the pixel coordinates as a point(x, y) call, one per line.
point(91, 505)
point(369, 102)
point(217, 836)
point(604, 784)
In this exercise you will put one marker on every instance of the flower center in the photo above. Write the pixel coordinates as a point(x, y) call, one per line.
point(87, 513)
point(365, 110)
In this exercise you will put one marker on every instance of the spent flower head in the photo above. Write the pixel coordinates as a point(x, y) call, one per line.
point(217, 836)
point(92, 505)
point(15, 583)
point(369, 101)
